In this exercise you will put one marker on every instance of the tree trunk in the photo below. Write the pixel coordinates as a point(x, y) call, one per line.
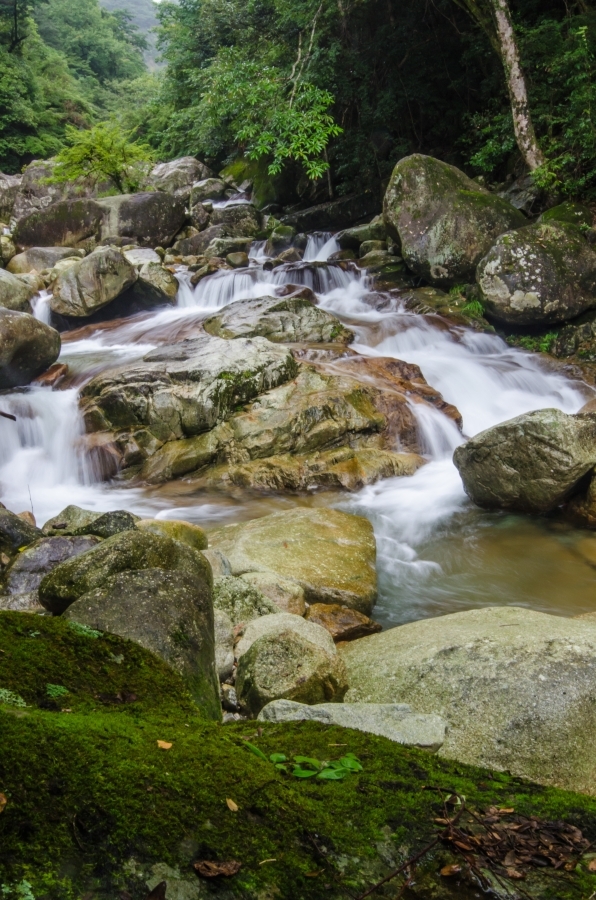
point(516, 85)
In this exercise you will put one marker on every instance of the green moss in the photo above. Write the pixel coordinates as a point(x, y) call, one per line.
point(89, 791)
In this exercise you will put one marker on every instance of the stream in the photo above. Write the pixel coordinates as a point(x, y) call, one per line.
point(437, 553)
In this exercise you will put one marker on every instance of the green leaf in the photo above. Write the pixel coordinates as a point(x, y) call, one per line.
point(303, 773)
point(278, 757)
point(309, 761)
point(256, 751)
point(351, 762)
point(281, 767)
point(333, 774)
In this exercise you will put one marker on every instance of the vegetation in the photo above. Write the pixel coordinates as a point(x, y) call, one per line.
point(103, 153)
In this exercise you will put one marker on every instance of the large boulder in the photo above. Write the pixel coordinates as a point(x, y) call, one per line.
point(16, 532)
point(207, 189)
point(239, 219)
point(531, 463)
point(537, 275)
point(279, 319)
point(330, 554)
point(197, 244)
point(181, 390)
point(9, 186)
point(14, 293)
point(36, 192)
point(515, 686)
point(89, 285)
point(444, 221)
point(27, 348)
point(395, 721)
point(40, 258)
point(287, 665)
point(66, 223)
point(353, 238)
point(150, 218)
point(178, 176)
point(155, 286)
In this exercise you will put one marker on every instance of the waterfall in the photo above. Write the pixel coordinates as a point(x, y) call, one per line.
point(320, 246)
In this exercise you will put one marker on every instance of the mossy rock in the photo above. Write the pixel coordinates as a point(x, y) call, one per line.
point(569, 213)
point(94, 806)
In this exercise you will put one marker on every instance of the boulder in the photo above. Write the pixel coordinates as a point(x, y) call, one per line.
point(220, 564)
point(538, 275)
point(280, 623)
point(150, 219)
point(200, 216)
point(178, 530)
point(568, 213)
point(35, 193)
point(21, 580)
point(40, 258)
point(198, 243)
point(516, 687)
point(178, 176)
point(342, 623)
point(237, 260)
point(180, 390)
point(14, 293)
point(207, 189)
point(155, 286)
point(224, 644)
point(239, 219)
point(9, 186)
point(352, 238)
point(531, 463)
point(395, 721)
point(444, 221)
point(138, 256)
point(239, 600)
point(62, 224)
point(221, 246)
point(7, 249)
point(89, 285)
point(330, 554)
point(27, 348)
point(581, 509)
point(525, 195)
point(287, 665)
point(279, 319)
point(76, 521)
point(286, 595)
point(335, 214)
point(167, 611)
point(15, 532)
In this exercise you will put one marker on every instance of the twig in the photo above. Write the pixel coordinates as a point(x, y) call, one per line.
point(396, 872)
point(8, 416)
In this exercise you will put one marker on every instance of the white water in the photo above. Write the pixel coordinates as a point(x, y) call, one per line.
point(425, 526)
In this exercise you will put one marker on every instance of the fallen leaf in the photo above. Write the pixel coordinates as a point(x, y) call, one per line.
point(263, 861)
point(591, 864)
point(448, 871)
point(164, 745)
point(209, 869)
point(231, 805)
point(515, 874)
point(158, 892)
point(3, 802)
point(505, 812)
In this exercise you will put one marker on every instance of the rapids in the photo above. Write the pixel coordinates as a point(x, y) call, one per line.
point(436, 552)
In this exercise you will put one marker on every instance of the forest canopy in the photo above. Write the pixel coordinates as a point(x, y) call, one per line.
point(320, 96)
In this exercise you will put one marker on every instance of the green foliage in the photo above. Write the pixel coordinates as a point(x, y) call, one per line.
point(21, 891)
point(536, 344)
point(56, 691)
point(473, 308)
point(11, 699)
point(102, 153)
point(84, 630)
point(309, 767)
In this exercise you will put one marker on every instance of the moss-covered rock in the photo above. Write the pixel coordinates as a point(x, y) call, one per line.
point(27, 348)
point(185, 532)
point(239, 219)
point(240, 600)
point(76, 521)
point(537, 275)
point(14, 293)
point(444, 221)
point(15, 532)
point(95, 806)
point(568, 213)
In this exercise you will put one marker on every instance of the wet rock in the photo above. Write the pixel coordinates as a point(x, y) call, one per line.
point(178, 176)
point(372, 247)
point(239, 219)
point(239, 600)
point(165, 609)
point(9, 186)
point(31, 565)
point(192, 535)
point(531, 463)
point(149, 219)
point(207, 189)
point(40, 258)
point(155, 286)
point(444, 222)
point(287, 665)
point(15, 532)
point(63, 224)
point(342, 623)
point(221, 246)
point(89, 285)
point(181, 390)
point(286, 595)
point(27, 348)
point(537, 275)
point(352, 238)
point(237, 260)
point(279, 319)
point(224, 644)
point(396, 721)
point(14, 293)
point(330, 554)
point(581, 509)
point(514, 685)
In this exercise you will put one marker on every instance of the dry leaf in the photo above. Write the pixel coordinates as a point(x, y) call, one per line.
point(164, 745)
point(591, 864)
point(209, 869)
point(231, 805)
point(505, 812)
point(263, 861)
point(3, 802)
point(515, 874)
point(448, 871)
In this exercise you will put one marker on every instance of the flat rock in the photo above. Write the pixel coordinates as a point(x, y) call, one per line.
point(27, 348)
point(330, 554)
point(342, 623)
point(395, 721)
point(150, 219)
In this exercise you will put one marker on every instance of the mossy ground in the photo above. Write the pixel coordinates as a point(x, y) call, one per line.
point(89, 790)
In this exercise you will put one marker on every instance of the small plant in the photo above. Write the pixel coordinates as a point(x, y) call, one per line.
point(84, 630)
point(56, 691)
point(11, 699)
point(540, 344)
point(308, 767)
point(22, 891)
point(473, 308)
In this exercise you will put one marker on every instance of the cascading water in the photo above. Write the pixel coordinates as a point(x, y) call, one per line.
point(437, 553)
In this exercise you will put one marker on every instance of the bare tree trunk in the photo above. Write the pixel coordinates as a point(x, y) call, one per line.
point(516, 85)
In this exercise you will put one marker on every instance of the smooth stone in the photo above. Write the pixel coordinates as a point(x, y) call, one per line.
point(92, 283)
point(220, 564)
point(27, 348)
point(285, 594)
point(31, 565)
point(279, 623)
point(224, 644)
point(15, 294)
point(178, 530)
point(40, 258)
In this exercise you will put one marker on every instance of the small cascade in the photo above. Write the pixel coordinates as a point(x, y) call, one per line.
point(257, 252)
point(320, 246)
point(438, 435)
point(41, 307)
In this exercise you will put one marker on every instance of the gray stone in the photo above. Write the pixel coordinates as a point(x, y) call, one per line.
point(9, 186)
point(240, 601)
point(280, 623)
point(178, 175)
point(531, 463)
point(141, 255)
point(150, 219)
point(444, 221)
point(224, 644)
point(14, 293)
point(198, 243)
point(221, 246)
point(155, 285)
point(352, 238)
point(279, 319)
point(27, 348)
point(220, 564)
point(395, 721)
point(40, 258)
point(35, 193)
point(15, 532)
point(89, 285)
point(29, 567)
point(335, 214)
point(239, 219)
point(7, 249)
point(540, 274)
point(207, 189)
point(71, 521)
point(515, 686)
point(63, 224)
point(285, 594)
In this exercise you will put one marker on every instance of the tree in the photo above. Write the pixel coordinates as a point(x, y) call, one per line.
point(102, 153)
point(494, 17)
